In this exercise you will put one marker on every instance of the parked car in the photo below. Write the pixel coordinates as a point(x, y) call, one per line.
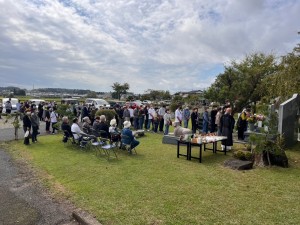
point(67, 101)
point(37, 101)
point(13, 102)
point(146, 102)
point(98, 103)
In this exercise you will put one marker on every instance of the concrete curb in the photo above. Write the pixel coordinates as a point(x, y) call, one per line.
point(84, 218)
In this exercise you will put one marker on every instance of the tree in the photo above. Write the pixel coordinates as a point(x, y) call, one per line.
point(153, 95)
point(119, 89)
point(286, 81)
point(242, 82)
point(91, 94)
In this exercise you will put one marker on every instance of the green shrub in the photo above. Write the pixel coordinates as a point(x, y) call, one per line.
point(108, 113)
point(243, 155)
point(248, 156)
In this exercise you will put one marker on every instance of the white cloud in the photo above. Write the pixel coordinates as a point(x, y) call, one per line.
point(151, 44)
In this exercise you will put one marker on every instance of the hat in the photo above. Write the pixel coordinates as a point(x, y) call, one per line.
point(113, 122)
point(127, 124)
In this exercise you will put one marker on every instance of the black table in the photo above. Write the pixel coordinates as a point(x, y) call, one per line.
point(189, 146)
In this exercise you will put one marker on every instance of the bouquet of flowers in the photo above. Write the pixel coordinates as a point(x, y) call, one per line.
point(254, 118)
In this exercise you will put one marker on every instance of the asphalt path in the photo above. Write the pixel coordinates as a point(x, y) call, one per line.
point(23, 200)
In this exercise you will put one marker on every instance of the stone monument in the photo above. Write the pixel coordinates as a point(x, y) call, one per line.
point(289, 118)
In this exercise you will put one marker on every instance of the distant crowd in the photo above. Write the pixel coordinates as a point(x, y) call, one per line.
point(144, 117)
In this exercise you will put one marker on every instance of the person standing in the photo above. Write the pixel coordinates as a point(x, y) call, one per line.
point(47, 119)
point(167, 121)
point(27, 126)
point(146, 117)
point(119, 111)
point(131, 114)
point(35, 123)
point(141, 116)
point(178, 115)
point(213, 114)
point(84, 112)
point(205, 121)
point(53, 119)
point(136, 117)
point(8, 106)
point(195, 119)
point(227, 125)
point(161, 113)
point(18, 106)
point(186, 117)
point(151, 114)
point(242, 124)
point(218, 120)
point(126, 113)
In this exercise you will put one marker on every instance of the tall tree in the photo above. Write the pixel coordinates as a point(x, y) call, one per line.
point(241, 82)
point(119, 89)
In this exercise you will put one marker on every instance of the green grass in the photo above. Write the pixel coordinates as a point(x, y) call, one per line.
point(155, 187)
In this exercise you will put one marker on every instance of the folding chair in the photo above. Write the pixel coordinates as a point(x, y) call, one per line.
point(83, 141)
point(115, 138)
point(124, 140)
point(110, 148)
point(101, 141)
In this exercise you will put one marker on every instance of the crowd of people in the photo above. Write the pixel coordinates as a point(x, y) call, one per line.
point(155, 119)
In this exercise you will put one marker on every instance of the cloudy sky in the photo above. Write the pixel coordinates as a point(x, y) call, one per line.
point(150, 44)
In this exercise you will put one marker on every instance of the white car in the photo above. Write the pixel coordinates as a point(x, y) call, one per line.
point(13, 102)
point(146, 102)
point(98, 103)
point(37, 101)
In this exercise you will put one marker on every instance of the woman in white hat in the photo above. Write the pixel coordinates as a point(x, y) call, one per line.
point(113, 131)
point(127, 136)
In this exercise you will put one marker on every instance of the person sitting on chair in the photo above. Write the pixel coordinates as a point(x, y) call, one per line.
point(113, 131)
point(86, 126)
point(127, 136)
point(181, 132)
point(100, 126)
point(77, 132)
point(65, 126)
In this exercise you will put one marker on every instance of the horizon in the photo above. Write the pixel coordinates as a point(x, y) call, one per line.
point(160, 45)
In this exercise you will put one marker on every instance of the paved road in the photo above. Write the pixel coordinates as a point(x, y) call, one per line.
point(22, 199)
point(8, 134)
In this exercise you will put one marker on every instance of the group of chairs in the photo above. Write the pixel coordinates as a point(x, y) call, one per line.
point(104, 143)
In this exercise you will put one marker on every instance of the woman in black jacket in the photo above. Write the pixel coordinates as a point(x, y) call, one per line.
point(194, 119)
point(27, 126)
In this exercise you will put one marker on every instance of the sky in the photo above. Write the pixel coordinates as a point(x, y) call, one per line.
point(175, 45)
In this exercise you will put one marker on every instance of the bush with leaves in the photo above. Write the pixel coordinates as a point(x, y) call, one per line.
point(243, 155)
point(108, 113)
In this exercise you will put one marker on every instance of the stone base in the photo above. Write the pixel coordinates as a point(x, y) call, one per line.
point(169, 139)
point(138, 133)
point(237, 164)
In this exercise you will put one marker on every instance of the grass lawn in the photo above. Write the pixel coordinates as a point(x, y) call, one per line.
point(155, 187)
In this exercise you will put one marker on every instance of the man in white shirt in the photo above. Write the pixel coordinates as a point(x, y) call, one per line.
point(178, 115)
point(151, 113)
point(161, 113)
point(76, 131)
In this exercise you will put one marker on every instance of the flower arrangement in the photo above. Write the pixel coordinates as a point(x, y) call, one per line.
point(254, 118)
